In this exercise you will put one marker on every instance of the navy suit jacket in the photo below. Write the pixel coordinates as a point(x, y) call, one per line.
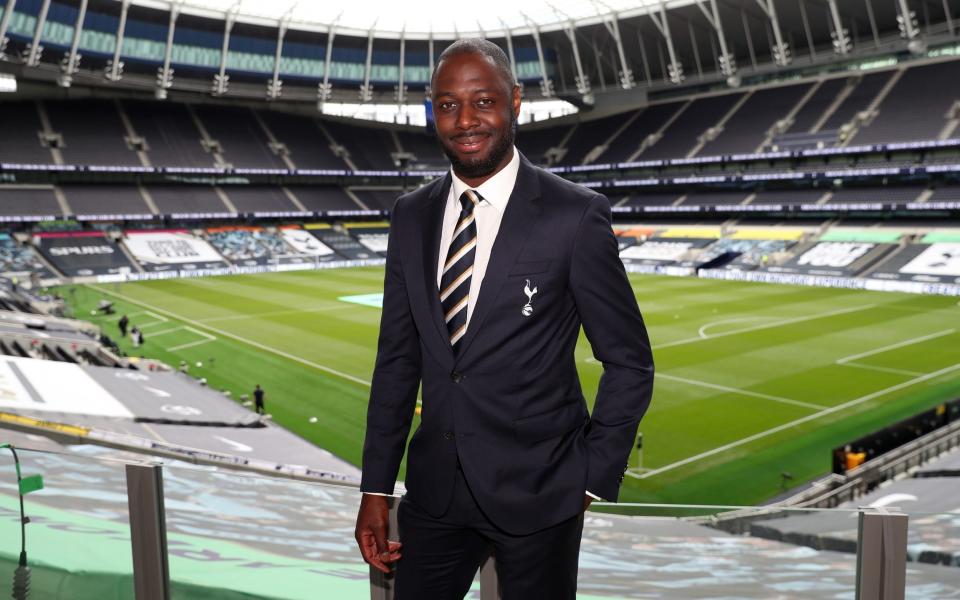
point(509, 405)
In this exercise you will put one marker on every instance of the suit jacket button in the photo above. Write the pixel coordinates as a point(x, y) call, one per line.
point(456, 377)
point(448, 435)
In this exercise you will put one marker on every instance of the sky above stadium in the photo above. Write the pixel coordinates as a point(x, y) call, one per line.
point(419, 18)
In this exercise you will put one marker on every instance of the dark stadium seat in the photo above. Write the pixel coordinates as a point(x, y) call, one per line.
point(308, 147)
point(21, 127)
point(187, 199)
point(749, 126)
point(588, 135)
point(29, 201)
point(649, 121)
point(323, 198)
point(99, 199)
point(242, 140)
point(534, 142)
point(859, 99)
point(683, 135)
point(936, 87)
point(892, 194)
point(369, 148)
point(170, 134)
point(92, 131)
point(816, 105)
point(249, 199)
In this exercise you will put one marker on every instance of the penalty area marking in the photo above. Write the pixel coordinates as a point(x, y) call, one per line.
point(228, 335)
point(702, 332)
point(796, 422)
point(204, 334)
point(789, 321)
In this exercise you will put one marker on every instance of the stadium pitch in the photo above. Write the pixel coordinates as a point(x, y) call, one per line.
point(756, 383)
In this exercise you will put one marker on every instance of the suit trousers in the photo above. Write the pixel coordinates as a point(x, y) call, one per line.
point(441, 555)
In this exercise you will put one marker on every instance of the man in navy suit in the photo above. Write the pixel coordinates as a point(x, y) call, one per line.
point(491, 271)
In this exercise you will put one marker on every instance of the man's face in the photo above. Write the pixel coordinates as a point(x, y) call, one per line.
point(475, 111)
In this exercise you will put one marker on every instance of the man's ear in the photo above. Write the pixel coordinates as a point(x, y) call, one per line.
point(516, 101)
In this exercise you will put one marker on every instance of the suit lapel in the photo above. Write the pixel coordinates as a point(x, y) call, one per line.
point(432, 222)
point(521, 213)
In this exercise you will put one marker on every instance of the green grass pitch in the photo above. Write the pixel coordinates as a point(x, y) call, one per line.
point(753, 380)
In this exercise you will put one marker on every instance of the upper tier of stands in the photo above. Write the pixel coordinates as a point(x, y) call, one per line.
point(870, 108)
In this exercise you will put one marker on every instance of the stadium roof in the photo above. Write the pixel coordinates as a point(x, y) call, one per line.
point(422, 18)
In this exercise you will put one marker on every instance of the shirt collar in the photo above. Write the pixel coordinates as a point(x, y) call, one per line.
point(495, 190)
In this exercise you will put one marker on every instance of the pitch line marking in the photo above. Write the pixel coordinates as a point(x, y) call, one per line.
point(702, 332)
point(188, 345)
point(238, 338)
point(790, 321)
point(165, 331)
point(742, 392)
point(882, 349)
point(881, 369)
point(795, 422)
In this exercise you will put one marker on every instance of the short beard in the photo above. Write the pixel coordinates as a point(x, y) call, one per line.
point(481, 167)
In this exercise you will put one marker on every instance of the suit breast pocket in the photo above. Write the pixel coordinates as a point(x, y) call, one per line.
point(521, 269)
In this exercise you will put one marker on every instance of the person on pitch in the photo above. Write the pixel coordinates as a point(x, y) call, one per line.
point(491, 271)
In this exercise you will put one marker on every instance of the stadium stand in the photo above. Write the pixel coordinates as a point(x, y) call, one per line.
point(19, 261)
point(945, 193)
point(587, 136)
point(369, 149)
point(323, 198)
point(863, 93)
point(650, 199)
point(22, 131)
point(307, 146)
point(746, 130)
point(898, 194)
point(788, 197)
point(377, 199)
point(90, 201)
point(646, 123)
point(29, 202)
point(534, 143)
point(259, 199)
point(170, 134)
point(934, 86)
point(707, 197)
point(683, 136)
point(92, 132)
point(424, 148)
point(247, 245)
point(241, 138)
point(188, 200)
point(815, 106)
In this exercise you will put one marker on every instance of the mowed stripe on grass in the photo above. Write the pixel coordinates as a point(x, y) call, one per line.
point(739, 360)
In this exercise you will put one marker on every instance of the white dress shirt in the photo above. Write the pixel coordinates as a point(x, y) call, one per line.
point(487, 216)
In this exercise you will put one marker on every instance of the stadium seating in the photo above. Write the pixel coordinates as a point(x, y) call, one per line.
point(171, 136)
point(256, 199)
point(307, 146)
point(588, 136)
point(534, 142)
point(788, 197)
point(20, 123)
point(715, 197)
point(92, 132)
point(865, 91)
point(684, 135)
point(369, 149)
point(242, 140)
point(187, 199)
point(748, 127)
point(890, 194)
point(29, 201)
point(322, 198)
point(648, 122)
point(935, 87)
point(91, 200)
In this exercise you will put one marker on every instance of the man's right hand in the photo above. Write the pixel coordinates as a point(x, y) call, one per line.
point(371, 533)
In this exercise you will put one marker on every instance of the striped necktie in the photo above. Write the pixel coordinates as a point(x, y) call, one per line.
point(458, 269)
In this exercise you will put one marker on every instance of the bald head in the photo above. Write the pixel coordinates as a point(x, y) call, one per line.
point(487, 49)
